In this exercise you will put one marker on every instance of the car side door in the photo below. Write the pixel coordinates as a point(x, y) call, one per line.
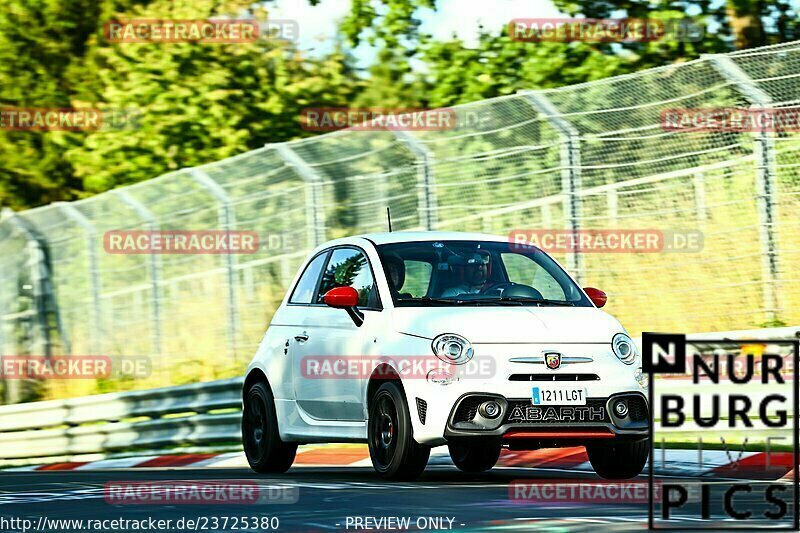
point(284, 333)
point(326, 361)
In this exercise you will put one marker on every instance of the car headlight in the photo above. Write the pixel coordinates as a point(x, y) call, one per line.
point(624, 348)
point(452, 348)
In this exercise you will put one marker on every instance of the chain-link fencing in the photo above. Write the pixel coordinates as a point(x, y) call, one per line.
point(591, 156)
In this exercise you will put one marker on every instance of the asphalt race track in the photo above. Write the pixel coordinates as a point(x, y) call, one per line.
point(327, 496)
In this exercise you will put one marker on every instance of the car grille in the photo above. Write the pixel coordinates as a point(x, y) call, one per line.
point(422, 409)
point(637, 408)
point(468, 408)
point(553, 377)
point(594, 412)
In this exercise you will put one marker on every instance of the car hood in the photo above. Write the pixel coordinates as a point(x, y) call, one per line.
point(498, 325)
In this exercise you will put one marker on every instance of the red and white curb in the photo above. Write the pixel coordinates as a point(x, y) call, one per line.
point(682, 463)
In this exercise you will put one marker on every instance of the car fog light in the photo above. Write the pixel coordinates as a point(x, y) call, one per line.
point(490, 409)
point(621, 408)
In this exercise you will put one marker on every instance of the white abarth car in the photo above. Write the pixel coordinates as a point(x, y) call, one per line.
point(410, 340)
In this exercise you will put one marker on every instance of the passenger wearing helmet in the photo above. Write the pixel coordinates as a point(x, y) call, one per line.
point(395, 274)
point(473, 269)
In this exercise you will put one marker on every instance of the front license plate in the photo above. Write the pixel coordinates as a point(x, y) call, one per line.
point(559, 396)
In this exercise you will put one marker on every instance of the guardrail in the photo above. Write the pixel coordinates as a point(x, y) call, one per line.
point(202, 415)
point(109, 424)
point(784, 333)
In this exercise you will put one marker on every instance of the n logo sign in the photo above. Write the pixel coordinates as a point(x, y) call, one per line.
point(663, 353)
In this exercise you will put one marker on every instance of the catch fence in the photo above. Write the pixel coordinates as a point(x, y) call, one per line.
point(589, 156)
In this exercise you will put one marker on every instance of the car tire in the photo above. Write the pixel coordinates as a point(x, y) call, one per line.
point(392, 448)
point(265, 451)
point(619, 460)
point(475, 456)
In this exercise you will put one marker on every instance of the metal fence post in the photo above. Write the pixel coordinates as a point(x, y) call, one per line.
point(547, 215)
point(10, 391)
point(382, 191)
point(94, 271)
point(570, 171)
point(154, 265)
point(612, 203)
point(3, 312)
point(40, 286)
point(766, 173)
point(426, 181)
point(312, 178)
point(285, 270)
point(226, 220)
point(699, 183)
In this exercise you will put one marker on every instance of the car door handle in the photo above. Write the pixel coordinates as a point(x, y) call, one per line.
point(303, 337)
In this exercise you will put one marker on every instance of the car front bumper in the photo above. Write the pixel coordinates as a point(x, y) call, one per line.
point(442, 412)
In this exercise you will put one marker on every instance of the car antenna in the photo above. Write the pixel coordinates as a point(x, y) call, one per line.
point(389, 218)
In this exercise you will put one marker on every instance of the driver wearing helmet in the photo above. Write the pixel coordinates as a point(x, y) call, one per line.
point(474, 275)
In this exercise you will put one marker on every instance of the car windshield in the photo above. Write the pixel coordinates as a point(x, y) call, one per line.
point(439, 273)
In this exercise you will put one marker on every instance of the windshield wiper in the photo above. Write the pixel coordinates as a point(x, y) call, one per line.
point(524, 300)
point(502, 300)
point(428, 299)
point(475, 300)
point(494, 300)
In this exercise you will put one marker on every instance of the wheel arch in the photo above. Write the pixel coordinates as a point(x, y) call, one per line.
point(383, 373)
point(256, 375)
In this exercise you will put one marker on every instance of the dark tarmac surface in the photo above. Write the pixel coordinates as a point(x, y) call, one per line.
point(351, 499)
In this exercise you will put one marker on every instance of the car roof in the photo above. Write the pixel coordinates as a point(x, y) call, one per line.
point(416, 236)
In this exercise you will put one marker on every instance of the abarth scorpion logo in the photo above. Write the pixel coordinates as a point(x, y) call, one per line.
point(552, 360)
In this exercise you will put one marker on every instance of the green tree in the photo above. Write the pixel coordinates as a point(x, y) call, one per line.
point(498, 66)
point(193, 103)
point(452, 72)
point(343, 274)
point(38, 43)
point(747, 23)
point(198, 103)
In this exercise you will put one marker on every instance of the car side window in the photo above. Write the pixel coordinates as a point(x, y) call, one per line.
point(304, 290)
point(349, 267)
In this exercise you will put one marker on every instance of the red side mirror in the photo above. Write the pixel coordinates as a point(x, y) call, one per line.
point(341, 297)
point(597, 296)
